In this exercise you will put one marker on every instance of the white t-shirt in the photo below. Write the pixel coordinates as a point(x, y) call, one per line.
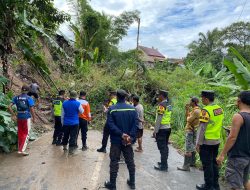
point(140, 112)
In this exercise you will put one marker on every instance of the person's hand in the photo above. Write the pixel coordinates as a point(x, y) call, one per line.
point(14, 117)
point(220, 159)
point(187, 106)
point(126, 139)
point(197, 148)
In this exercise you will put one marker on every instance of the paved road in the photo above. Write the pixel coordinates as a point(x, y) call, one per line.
point(49, 168)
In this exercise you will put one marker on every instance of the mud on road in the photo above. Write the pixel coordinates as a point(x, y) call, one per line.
point(50, 168)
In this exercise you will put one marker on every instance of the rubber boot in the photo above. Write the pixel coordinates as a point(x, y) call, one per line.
point(131, 181)
point(186, 165)
point(193, 160)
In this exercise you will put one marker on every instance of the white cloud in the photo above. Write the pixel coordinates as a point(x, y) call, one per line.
point(170, 25)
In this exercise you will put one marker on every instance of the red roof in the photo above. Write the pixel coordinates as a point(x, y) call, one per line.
point(151, 52)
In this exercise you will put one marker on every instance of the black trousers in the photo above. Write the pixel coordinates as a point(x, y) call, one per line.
point(105, 136)
point(83, 126)
point(58, 129)
point(208, 155)
point(115, 153)
point(162, 138)
point(70, 134)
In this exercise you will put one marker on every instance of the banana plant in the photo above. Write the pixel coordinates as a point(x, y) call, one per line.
point(240, 68)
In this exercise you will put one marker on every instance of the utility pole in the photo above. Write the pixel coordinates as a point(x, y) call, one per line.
point(138, 33)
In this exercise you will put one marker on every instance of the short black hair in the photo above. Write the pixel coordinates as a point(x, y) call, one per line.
point(61, 92)
point(136, 98)
point(83, 93)
point(121, 94)
point(209, 94)
point(244, 97)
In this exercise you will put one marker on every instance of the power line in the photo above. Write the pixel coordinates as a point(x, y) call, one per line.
point(242, 10)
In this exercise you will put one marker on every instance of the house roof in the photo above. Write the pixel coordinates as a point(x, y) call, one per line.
point(151, 52)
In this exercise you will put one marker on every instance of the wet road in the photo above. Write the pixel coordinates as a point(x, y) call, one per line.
point(49, 168)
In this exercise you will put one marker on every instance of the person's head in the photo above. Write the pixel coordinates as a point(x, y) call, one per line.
point(121, 95)
point(61, 93)
point(83, 94)
point(194, 101)
point(207, 97)
point(33, 81)
point(73, 94)
point(136, 100)
point(163, 95)
point(112, 94)
point(25, 89)
point(244, 99)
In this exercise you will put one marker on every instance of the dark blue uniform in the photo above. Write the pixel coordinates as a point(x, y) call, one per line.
point(122, 119)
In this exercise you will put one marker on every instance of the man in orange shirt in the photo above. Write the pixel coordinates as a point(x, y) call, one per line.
point(84, 118)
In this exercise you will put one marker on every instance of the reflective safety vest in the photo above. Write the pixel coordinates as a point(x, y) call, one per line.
point(215, 121)
point(112, 102)
point(57, 106)
point(166, 110)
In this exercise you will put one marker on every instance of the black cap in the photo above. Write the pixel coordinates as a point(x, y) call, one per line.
point(121, 93)
point(210, 94)
point(207, 93)
point(163, 93)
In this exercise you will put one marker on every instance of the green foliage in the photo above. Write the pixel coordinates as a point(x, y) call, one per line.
point(8, 131)
point(240, 69)
point(33, 57)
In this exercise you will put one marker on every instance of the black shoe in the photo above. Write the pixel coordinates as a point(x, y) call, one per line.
point(54, 141)
point(59, 143)
point(184, 168)
point(109, 185)
point(203, 187)
point(84, 148)
point(102, 150)
point(130, 184)
point(160, 168)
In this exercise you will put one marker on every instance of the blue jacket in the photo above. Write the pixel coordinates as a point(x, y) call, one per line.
point(70, 110)
point(122, 118)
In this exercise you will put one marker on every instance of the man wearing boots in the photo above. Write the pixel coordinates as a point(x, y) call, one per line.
point(57, 109)
point(123, 123)
point(193, 121)
point(112, 101)
point(70, 120)
point(84, 118)
point(162, 129)
point(208, 140)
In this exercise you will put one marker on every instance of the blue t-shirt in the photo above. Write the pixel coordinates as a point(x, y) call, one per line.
point(70, 112)
point(23, 103)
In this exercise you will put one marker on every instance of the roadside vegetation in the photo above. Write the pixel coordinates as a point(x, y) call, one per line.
point(218, 60)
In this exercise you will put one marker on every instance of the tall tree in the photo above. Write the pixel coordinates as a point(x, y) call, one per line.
point(208, 48)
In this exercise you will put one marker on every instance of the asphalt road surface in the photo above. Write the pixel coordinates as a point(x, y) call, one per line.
point(48, 167)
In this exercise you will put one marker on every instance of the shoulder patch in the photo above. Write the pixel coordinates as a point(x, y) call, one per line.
point(204, 116)
point(161, 109)
point(218, 111)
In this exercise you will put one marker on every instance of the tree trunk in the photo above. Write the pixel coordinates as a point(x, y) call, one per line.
point(4, 60)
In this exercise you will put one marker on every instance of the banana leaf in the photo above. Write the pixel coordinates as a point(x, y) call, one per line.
point(233, 67)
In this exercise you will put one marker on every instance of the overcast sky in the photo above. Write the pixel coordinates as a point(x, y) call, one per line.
point(170, 25)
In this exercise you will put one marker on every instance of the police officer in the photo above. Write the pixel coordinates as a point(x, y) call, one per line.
point(57, 109)
point(112, 101)
point(208, 140)
point(162, 129)
point(122, 123)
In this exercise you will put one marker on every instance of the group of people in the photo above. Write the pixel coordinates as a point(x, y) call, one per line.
point(124, 125)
